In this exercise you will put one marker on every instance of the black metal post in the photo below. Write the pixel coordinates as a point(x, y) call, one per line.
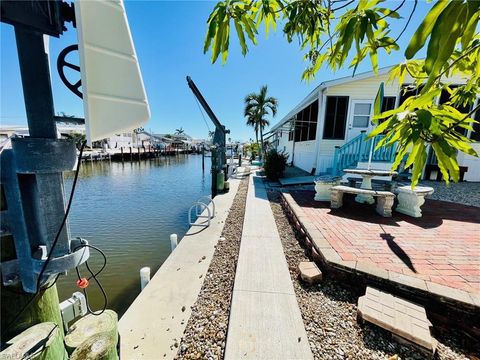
point(37, 91)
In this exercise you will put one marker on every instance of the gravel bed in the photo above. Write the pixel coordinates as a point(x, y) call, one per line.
point(329, 312)
point(205, 334)
point(467, 193)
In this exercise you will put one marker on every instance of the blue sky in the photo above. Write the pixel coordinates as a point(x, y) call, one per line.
point(169, 37)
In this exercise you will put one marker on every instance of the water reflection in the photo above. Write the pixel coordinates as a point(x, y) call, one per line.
point(129, 210)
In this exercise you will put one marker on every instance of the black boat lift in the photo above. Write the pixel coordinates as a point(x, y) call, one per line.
point(219, 159)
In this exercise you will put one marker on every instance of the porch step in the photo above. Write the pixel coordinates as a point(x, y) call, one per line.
point(405, 320)
point(299, 180)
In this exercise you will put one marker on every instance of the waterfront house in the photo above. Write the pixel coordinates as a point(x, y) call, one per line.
point(324, 133)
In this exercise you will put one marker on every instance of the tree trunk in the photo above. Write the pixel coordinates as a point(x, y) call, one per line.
point(43, 341)
point(261, 144)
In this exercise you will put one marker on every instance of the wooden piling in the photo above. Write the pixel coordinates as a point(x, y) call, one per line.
point(42, 341)
point(44, 307)
point(89, 325)
point(100, 346)
point(131, 155)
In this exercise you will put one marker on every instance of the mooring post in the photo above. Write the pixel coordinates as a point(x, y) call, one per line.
point(121, 149)
point(144, 277)
point(131, 155)
point(173, 241)
point(203, 159)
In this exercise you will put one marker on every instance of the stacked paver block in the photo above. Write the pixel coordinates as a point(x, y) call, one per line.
point(309, 272)
point(405, 320)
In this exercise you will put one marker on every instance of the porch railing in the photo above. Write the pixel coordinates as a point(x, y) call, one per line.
point(357, 150)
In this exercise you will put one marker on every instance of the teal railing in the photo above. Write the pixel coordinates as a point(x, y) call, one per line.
point(357, 150)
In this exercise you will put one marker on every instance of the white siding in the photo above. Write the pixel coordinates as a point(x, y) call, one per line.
point(473, 163)
point(285, 145)
point(364, 89)
point(325, 154)
point(305, 155)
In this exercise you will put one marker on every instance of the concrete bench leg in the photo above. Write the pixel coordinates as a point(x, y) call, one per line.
point(336, 199)
point(410, 203)
point(384, 205)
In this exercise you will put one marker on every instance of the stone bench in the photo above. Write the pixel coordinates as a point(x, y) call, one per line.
point(323, 184)
point(410, 201)
point(384, 198)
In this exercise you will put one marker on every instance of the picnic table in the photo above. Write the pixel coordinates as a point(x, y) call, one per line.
point(367, 175)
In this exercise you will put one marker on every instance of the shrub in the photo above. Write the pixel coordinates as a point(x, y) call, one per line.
point(275, 163)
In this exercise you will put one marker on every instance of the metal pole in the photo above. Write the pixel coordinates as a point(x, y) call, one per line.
point(43, 192)
point(37, 91)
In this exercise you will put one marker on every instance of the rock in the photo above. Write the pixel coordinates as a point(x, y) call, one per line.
point(309, 272)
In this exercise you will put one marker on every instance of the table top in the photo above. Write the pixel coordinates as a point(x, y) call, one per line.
point(372, 172)
point(418, 189)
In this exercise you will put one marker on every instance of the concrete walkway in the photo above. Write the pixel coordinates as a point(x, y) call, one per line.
point(156, 320)
point(265, 320)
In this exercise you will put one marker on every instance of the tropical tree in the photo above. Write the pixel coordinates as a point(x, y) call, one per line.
point(257, 107)
point(179, 131)
point(333, 31)
point(252, 121)
point(78, 139)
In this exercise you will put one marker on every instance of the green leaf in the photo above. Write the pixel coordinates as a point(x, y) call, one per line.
point(439, 32)
point(225, 40)
point(472, 23)
point(462, 146)
point(217, 44)
point(241, 37)
point(445, 36)
point(425, 28)
point(417, 146)
point(374, 59)
point(419, 163)
point(377, 105)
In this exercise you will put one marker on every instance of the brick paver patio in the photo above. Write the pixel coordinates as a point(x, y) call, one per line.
point(443, 246)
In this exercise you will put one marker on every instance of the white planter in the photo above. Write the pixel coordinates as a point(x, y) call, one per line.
point(323, 184)
point(410, 201)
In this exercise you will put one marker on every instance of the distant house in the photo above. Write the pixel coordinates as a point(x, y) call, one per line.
point(325, 132)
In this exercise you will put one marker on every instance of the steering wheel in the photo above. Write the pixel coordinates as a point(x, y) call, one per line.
point(62, 64)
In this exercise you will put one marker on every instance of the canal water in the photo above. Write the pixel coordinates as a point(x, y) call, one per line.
point(129, 210)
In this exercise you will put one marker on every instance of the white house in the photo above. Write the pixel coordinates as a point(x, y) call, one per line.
point(332, 117)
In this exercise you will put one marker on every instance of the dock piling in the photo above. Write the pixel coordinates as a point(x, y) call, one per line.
point(144, 277)
point(173, 241)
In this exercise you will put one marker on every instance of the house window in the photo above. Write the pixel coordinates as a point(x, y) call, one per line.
point(409, 91)
point(335, 117)
point(361, 115)
point(388, 103)
point(306, 123)
point(464, 109)
point(290, 135)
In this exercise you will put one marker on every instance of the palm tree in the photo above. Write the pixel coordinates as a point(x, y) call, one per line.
point(257, 107)
point(179, 131)
point(252, 121)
